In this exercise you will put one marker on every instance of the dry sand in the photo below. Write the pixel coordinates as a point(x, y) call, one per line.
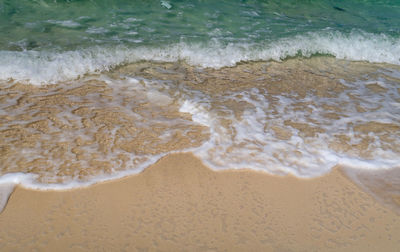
point(179, 204)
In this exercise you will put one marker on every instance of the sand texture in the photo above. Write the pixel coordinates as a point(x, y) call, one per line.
point(178, 204)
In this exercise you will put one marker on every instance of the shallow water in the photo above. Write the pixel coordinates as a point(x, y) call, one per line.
point(300, 117)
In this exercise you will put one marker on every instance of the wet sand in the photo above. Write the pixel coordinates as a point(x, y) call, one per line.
point(178, 204)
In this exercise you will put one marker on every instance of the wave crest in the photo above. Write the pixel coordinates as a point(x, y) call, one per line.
point(45, 67)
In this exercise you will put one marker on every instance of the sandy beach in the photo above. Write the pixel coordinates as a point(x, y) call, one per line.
point(178, 204)
point(200, 125)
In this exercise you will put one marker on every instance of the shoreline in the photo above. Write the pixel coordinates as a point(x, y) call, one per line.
point(200, 126)
point(180, 204)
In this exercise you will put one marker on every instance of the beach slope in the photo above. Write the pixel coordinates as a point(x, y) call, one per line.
point(178, 204)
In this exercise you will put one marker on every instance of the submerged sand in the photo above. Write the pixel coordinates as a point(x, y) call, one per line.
point(300, 116)
point(178, 204)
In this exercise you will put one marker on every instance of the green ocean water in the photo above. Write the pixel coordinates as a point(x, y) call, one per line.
point(67, 25)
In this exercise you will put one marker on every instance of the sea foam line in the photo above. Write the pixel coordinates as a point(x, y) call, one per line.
point(44, 67)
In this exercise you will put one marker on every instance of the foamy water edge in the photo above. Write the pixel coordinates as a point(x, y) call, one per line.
point(47, 67)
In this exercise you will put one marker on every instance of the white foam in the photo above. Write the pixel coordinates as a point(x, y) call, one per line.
point(65, 23)
point(28, 180)
point(7, 185)
point(43, 67)
point(5, 192)
point(199, 114)
point(250, 142)
point(128, 96)
point(97, 30)
point(156, 97)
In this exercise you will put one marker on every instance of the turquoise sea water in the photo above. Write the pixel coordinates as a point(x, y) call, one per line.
point(97, 35)
point(68, 25)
